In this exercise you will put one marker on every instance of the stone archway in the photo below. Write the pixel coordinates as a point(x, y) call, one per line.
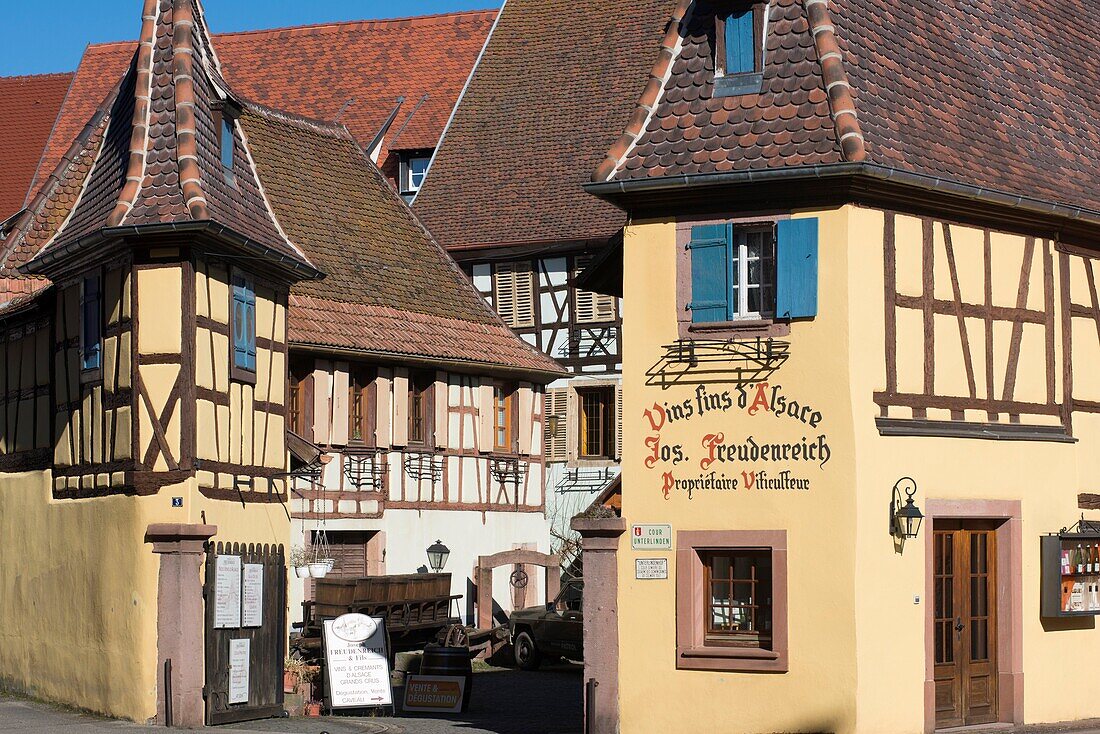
point(521, 557)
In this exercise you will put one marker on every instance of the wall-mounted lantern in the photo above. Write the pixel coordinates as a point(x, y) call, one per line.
point(553, 422)
point(905, 519)
point(437, 556)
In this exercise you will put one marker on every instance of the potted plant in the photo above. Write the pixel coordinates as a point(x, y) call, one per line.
point(319, 568)
point(293, 673)
point(313, 708)
point(299, 561)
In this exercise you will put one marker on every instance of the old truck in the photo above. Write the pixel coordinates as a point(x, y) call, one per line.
point(550, 632)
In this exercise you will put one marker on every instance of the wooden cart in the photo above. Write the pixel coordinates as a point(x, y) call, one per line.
point(417, 607)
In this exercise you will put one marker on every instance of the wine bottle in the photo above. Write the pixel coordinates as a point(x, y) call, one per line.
point(1067, 568)
point(1079, 559)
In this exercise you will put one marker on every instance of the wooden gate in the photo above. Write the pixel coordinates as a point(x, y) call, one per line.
point(254, 612)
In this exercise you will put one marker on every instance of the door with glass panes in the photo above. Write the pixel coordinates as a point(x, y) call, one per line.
point(965, 623)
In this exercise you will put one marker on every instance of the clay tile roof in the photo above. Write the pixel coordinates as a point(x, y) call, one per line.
point(556, 83)
point(352, 71)
point(28, 108)
point(157, 161)
point(389, 287)
point(1004, 97)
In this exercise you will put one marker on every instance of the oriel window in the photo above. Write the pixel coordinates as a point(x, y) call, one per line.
point(596, 422)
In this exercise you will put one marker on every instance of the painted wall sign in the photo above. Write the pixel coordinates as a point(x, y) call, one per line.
point(651, 568)
point(252, 596)
point(240, 657)
point(227, 592)
point(651, 537)
point(357, 662)
point(721, 462)
point(435, 693)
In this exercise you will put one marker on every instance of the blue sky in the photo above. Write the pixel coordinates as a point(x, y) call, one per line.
point(37, 37)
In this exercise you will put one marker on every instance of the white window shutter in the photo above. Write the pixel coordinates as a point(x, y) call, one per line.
point(340, 407)
point(525, 417)
point(485, 417)
point(400, 407)
point(555, 402)
point(515, 293)
point(383, 409)
point(322, 401)
point(441, 396)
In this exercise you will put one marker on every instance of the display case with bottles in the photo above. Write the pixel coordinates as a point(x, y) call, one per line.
point(1071, 571)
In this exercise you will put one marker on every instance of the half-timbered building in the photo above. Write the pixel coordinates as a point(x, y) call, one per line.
point(504, 196)
point(861, 436)
point(201, 287)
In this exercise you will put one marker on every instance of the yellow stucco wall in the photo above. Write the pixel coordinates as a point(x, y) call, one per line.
point(78, 596)
point(857, 630)
point(820, 522)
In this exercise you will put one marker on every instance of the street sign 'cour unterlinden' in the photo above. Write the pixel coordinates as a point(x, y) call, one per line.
point(651, 537)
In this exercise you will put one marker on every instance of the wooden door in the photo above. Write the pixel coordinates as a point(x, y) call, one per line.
point(965, 624)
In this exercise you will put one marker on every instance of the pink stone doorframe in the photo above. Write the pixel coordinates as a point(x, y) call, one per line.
point(484, 575)
point(1010, 631)
point(180, 616)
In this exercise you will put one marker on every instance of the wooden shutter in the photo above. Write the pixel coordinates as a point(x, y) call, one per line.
point(513, 286)
point(341, 408)
point(322, 393)
point(618, 418)
point(244, 324)
point(710, 282)
point(485, 437)
point(526, 411)
point(740, 48)
point(556, 402)
point(796, 268)
point(400, 407)
point(384, 409)
point(442, 398)
point(590, 307)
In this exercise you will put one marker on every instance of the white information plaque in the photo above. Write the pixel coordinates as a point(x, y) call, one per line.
point(357, 662)
point(651, 568)
point(651, 537)
point(239, 659)
point(227, 592)
point(252, 596)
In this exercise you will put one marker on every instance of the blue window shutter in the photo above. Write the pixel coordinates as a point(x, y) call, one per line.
point(740, 49)
point(796, 268)
point(244, 326)
point(710, 291)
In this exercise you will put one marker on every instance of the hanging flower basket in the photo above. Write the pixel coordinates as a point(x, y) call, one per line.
point(299, 561)
point(318, 569)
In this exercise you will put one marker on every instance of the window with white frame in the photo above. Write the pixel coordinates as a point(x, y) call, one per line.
point(514, 293)
point(754, 270)
point(414, 166)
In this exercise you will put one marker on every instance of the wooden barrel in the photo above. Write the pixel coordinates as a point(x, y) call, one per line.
point(454, 661)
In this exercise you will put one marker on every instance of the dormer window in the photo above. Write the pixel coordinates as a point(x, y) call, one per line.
point(224, 113)
point(739, 48)
point(414, 166)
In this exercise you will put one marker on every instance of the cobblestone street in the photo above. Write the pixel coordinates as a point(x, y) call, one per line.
point(503, 702)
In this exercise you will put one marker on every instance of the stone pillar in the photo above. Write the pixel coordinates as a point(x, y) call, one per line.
point(600, 541)
point(180, 618)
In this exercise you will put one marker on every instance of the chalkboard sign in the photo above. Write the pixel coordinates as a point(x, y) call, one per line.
point(357, 662)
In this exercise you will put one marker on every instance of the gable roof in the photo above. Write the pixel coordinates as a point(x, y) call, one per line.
point(389, 289)
point(150, 155)
point(353, 72)
point(1002, 99)
point(556, 82)
point(28, 108)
